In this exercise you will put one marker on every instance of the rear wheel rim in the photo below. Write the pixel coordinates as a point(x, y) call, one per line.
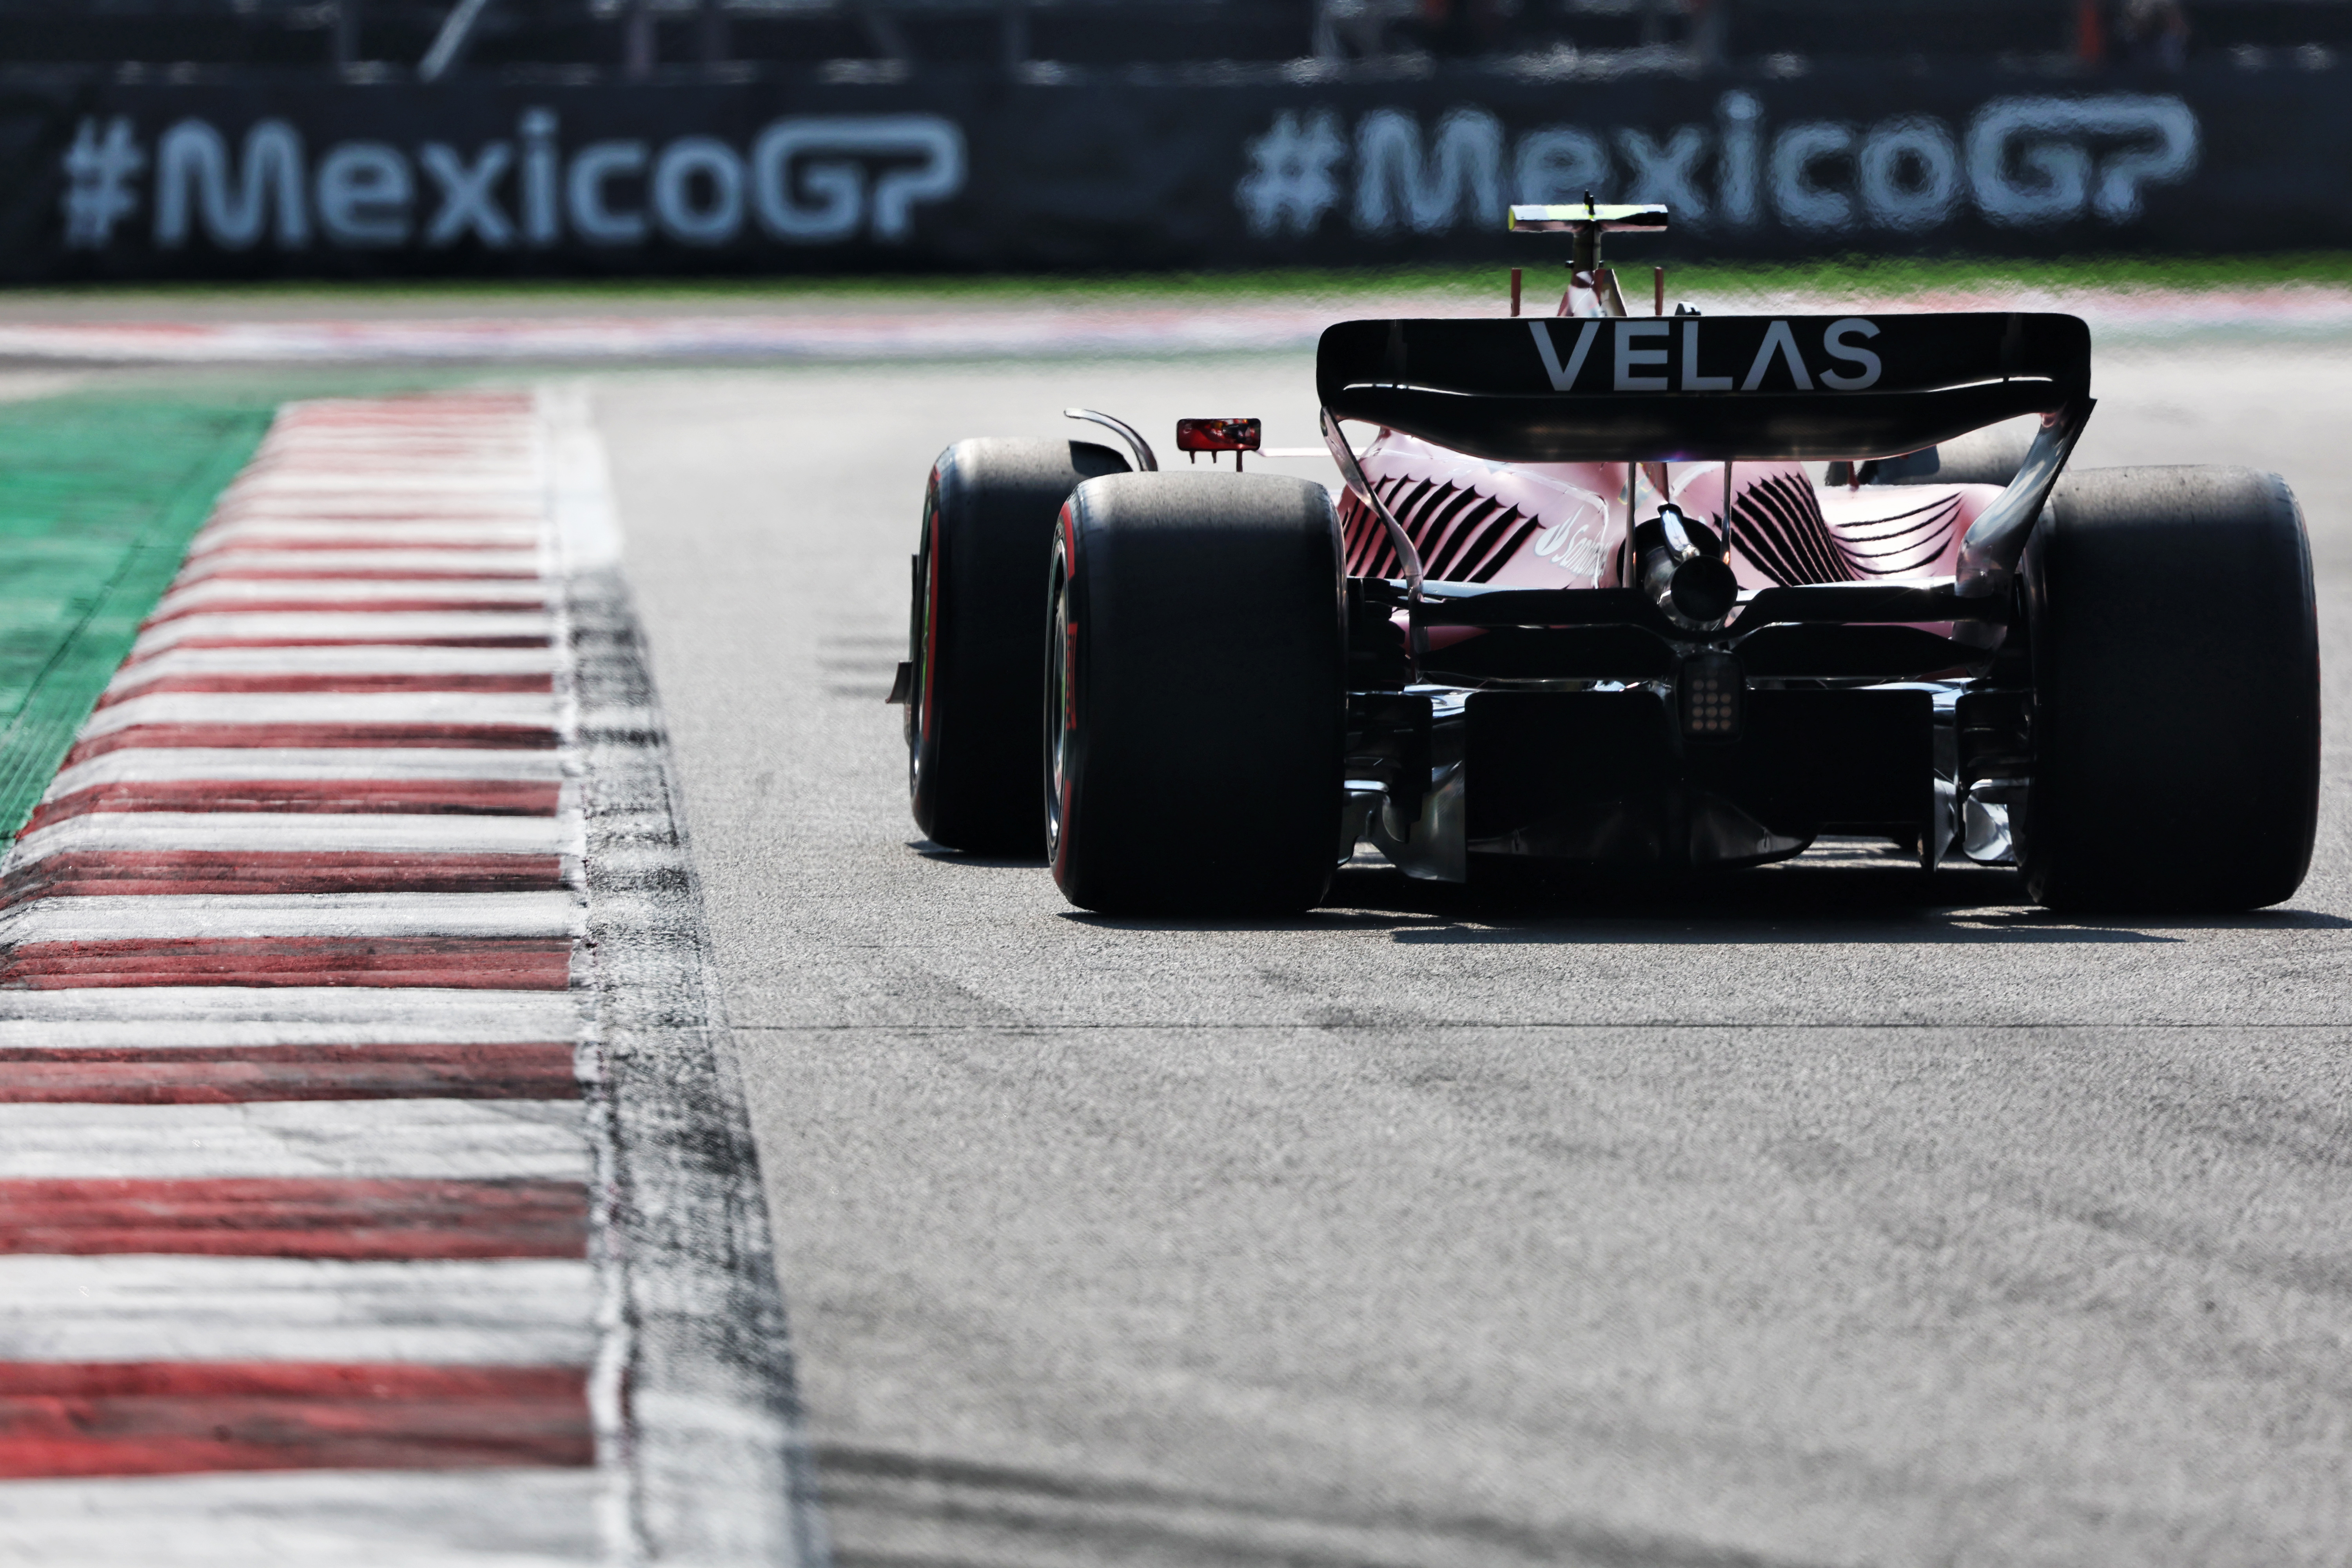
point(919, 653)
point(1060, 654)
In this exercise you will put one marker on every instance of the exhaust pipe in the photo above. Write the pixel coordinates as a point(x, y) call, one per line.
point(1681, 568)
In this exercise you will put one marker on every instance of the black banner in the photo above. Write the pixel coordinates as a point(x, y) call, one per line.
point(964, 172)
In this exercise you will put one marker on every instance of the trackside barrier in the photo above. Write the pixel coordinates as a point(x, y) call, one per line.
point(962, 171)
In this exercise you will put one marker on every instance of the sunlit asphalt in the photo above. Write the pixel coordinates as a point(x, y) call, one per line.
point(1832, 1214)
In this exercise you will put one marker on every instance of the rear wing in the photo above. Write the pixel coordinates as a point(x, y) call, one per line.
point(1701, 388)
point(1720, 388)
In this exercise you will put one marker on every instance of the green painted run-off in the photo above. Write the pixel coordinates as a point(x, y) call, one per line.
point(97, 500)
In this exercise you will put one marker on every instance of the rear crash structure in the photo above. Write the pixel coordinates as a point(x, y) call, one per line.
point(1588, 597)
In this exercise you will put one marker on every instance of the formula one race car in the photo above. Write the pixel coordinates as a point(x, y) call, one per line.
point(1582, 602)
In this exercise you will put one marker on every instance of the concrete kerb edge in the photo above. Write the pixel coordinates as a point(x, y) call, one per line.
point(697, 1395)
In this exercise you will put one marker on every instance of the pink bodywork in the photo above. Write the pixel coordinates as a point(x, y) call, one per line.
point(1560, 525)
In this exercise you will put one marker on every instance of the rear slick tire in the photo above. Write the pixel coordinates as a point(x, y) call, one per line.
point(972, 724)
point(1196, 695)
point(2176, 672)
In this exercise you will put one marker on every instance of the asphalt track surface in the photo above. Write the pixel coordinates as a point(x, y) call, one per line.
point(1832, 1214)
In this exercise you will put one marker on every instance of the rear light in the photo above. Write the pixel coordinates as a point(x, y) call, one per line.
point(1713, 688)
point(1214, 436)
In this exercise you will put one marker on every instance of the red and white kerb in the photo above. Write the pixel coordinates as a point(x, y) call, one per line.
point(295, 1167)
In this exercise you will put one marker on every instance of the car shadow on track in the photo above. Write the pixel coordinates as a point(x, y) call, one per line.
point(940, 855)
point(1852, 891)
point(1862, 895)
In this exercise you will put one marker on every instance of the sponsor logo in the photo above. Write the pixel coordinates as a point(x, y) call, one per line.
point(1573, 544)
point(1648, 354)
point(820, 180)
point(2021, 161)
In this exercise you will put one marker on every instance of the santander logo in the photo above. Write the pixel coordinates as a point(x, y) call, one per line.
point(1572, 544)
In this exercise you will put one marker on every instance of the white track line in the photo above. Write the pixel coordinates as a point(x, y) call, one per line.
point(368, 510)
point(379, 1140)
point(440, 566)
point(380, 500)
point(354, 659)
point(157, 917)
point(468, 708)
point(266, 832)
point(282, 626)
point(460, 424)
point(218, 596)
point(443, 485)
point(143, 1307)
point(517, 1517)
point(162, 1016)
point(333, 540)
point(381, 483)
point(324, 453)
point(391, 456)
point(398, 764)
